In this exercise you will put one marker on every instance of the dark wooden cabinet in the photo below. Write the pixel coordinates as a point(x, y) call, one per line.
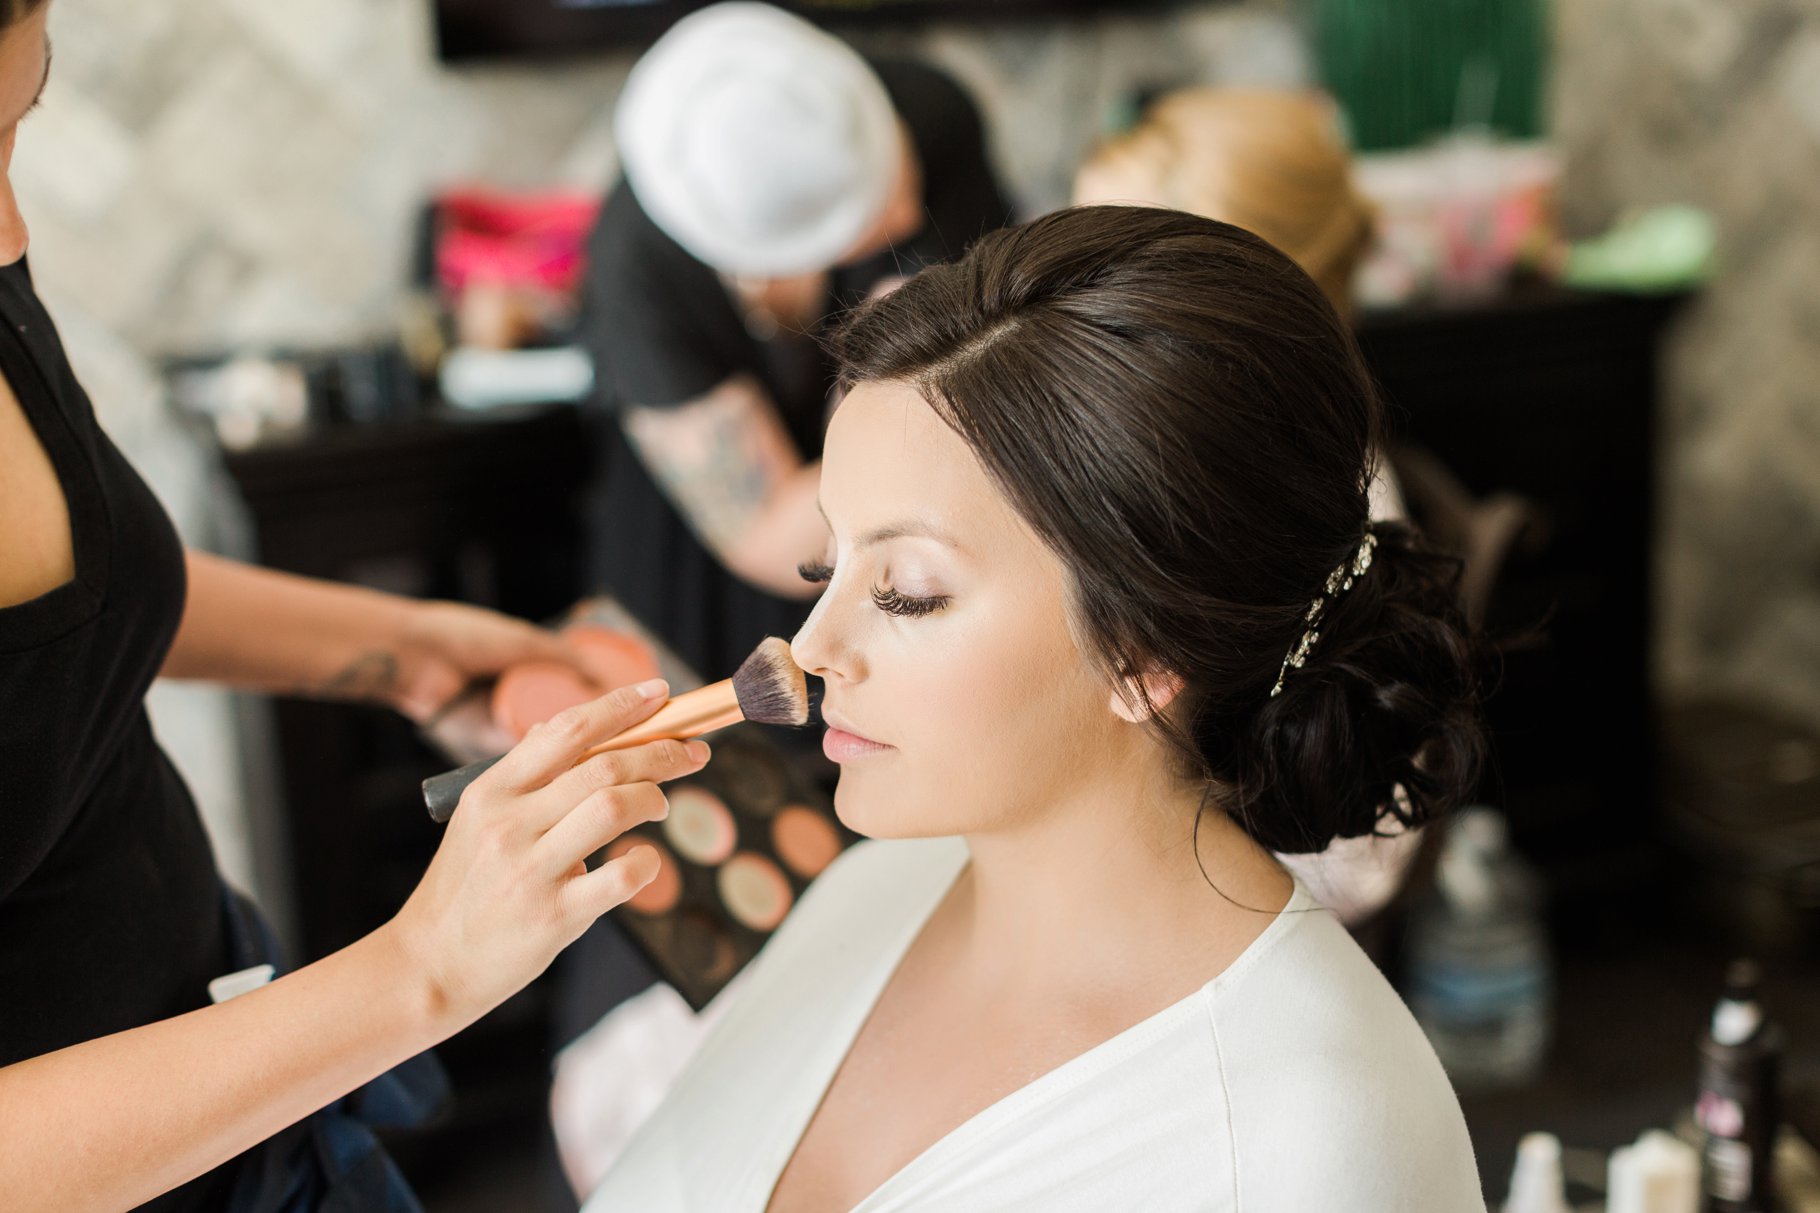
point(481, 510)
point(1552, 394)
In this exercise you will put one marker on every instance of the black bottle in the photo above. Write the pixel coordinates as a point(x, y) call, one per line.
point(1739, 1109)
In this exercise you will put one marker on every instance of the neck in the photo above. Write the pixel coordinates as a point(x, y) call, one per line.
point(1104, 888)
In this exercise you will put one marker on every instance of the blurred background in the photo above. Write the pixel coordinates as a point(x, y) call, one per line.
point(1593, 301)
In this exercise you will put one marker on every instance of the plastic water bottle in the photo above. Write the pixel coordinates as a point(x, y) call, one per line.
point(1479, 976)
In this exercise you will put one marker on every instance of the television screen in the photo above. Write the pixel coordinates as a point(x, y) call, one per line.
point(471, 29)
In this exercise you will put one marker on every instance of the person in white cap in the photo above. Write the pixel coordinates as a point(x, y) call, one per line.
point(772, 177)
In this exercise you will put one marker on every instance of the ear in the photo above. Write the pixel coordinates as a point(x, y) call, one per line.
point(1130, 692)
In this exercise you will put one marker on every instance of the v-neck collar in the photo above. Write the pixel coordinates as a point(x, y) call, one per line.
point(838, 1041)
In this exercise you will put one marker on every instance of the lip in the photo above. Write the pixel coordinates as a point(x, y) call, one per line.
point(842, 744)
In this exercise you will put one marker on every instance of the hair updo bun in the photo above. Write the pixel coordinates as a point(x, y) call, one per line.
point(1381, 721)
point(1178, 412)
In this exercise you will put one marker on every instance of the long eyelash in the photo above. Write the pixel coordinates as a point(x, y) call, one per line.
point(893, 603)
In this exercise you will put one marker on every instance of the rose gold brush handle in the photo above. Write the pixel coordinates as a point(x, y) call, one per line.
point(687, 715)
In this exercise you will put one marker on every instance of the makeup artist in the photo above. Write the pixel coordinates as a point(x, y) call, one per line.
point(119, 1081)
point(773, 178)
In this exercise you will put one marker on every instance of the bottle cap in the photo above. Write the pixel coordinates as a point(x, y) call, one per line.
point(1739, 1014)
point(1464, 872)
point(1536, 1185)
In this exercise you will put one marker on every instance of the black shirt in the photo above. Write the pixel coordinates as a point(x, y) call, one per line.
point(110, 904)
point(664, 330)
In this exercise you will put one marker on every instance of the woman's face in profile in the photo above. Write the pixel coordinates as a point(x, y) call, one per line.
point(957, 698)
point(24, 63)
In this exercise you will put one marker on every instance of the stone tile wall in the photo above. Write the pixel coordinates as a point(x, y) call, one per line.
point(1717, 102)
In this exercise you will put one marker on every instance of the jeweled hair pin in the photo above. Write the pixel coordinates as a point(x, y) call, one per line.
point(1338, 582)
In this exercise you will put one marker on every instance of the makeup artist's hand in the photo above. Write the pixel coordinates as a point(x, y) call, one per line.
point(443, 647)
point(507, 889)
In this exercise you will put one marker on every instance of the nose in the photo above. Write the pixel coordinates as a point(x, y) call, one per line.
point(817, 646)
point(13, 236)
point(806, 648)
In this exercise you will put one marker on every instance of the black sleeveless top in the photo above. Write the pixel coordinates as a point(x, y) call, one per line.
point(110, 904)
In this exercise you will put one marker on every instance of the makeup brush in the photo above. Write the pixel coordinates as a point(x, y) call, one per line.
point(767, 688)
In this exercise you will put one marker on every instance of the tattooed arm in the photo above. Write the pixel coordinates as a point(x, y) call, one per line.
point(727, 463)
point(269, 631)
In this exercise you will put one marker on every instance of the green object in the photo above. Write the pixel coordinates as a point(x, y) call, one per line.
point(1407, 71)
point(1666, 248)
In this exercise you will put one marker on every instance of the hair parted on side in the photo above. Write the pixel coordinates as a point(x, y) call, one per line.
point(1180, 414)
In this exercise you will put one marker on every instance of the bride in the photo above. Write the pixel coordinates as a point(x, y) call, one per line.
point(1105, 625)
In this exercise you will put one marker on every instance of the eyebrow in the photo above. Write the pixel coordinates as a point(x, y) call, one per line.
point(910, 528)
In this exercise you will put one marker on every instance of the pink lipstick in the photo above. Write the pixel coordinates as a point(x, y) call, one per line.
point(844, 745)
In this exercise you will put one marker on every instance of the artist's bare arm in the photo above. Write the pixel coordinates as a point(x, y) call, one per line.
point(110, 1123)
point(270, 631)
point(727, 462)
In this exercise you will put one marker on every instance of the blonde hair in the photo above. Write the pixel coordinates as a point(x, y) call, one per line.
point(1269, 161)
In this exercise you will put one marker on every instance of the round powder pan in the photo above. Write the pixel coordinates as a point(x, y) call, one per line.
point(700, 825)
point(805, 840)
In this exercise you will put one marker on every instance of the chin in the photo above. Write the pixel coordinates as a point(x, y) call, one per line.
point(882, 809)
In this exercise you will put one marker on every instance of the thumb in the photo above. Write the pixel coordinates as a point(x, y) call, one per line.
point(432, 686)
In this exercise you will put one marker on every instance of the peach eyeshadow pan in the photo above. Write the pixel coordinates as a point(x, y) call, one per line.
point(805, 840)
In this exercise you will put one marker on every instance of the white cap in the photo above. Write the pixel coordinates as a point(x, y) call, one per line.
point(1660, 1174)
point(759, 143)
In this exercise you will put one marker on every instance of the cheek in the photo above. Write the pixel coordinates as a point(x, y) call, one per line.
point(991, 708)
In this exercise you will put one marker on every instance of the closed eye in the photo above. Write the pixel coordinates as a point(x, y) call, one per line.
point(890, 601)
point(893, 603)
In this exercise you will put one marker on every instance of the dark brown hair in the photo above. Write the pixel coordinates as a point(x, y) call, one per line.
point(17, 10)
point(1178, 412)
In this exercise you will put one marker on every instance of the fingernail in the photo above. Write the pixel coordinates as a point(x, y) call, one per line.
point(663, 812)
point(655, 688)
point(698, 750)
